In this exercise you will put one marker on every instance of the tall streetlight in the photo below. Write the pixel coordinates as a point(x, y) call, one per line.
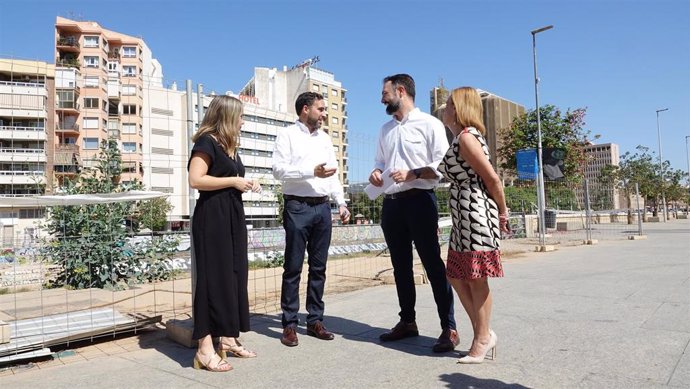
point(661, 164)
point(687, 155)
point(541, 199)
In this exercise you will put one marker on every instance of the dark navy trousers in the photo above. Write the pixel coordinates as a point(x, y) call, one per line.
point(307, 227)
point(410, 219)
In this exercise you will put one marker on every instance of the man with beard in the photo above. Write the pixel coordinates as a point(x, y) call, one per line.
point(304, 160)
point(410, 148)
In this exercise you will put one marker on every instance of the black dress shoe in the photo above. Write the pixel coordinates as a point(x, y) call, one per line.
point(289, 337)
point(448, 340)
point(317, 330)
point(401, 330)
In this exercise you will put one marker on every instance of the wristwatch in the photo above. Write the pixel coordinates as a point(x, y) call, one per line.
point(417, 172)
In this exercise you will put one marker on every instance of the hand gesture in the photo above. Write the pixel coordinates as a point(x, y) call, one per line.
point(375, 178)
point(344, 214)
point(399, 176)
point(322, 171)
point(245, 184)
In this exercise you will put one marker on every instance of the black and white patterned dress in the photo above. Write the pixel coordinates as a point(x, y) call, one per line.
point(474, 249)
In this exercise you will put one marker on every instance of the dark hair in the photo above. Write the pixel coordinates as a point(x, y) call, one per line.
point(404, 80)
point(306, 98)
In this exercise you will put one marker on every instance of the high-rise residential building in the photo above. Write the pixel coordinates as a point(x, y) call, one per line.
point(602, 195)
point(27, 90)
point(278, 90)
point(499, 113)
point(100, 76)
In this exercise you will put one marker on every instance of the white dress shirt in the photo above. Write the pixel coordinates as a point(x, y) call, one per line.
point(296, 153)
point(417, 141)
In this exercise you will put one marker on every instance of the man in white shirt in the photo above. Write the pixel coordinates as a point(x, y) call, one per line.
point(304, 160)
point(410, 148)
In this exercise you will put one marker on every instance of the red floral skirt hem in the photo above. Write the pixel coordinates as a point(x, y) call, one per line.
point(470, 265)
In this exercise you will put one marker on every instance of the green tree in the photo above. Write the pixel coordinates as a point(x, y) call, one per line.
point(638, 168)
point(152, 214)
point(89, 242)
point(559, 130)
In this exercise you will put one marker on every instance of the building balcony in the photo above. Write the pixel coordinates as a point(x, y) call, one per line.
point(21, 177)
point(67, 160)
point(22, 133)
point(114, 55)
point(67, 106)
point(114, 134)
point(68, 43)
point(68, 63)
point(67, 128)
point(18, 155)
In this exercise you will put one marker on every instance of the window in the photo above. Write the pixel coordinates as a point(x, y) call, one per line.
point(65, 99)
point(314, 88)
point(129, 109)
point(334, 120)
point(90, 143)
point(129, 90)
point(90, 122)
point(113, 67)
point(91, 102)
point(335, 134)
point(91, 62)
point(129, 147)
point(129, 52)
point(129, 71)
point(334, 92)
point(334, 106)
point(91, 82)
point(129, 128)
point(90, 41)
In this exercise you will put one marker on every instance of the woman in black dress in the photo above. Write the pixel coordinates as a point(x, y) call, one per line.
point(219, 234)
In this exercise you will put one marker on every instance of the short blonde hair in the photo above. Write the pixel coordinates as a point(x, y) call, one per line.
point(222, 119)
point(469, 111)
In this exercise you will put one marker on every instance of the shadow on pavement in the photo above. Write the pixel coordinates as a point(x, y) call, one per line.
point(271, 326)
point(459, 380)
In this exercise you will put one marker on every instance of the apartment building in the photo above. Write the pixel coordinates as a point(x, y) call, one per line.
point(498, 115)
point(278, 90)
point(26, 117)
point(99, 95)
point(602, 195)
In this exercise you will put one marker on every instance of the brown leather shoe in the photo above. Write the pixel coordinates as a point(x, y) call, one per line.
point(317, 330)
point(289, 337)
point(400, 331)
point(448, 340)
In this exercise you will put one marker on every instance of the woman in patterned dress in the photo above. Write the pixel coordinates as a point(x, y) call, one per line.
point(479, 215)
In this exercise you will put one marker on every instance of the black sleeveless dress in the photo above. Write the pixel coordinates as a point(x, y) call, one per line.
point(219, 233)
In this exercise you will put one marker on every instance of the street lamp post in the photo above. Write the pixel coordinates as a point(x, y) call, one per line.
point(541, 199)
point(661, 164)
point(687, 155)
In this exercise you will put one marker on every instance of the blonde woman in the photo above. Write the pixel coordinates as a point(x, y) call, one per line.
point(219, 233)
point(479, 215)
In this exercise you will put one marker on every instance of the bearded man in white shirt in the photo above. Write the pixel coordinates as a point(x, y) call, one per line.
point(410, 148)
point(304, 160)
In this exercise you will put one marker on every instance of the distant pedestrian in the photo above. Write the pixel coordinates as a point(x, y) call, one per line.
point(219, 235)
point(479, 215)
point(304, 160)
point(410, 147)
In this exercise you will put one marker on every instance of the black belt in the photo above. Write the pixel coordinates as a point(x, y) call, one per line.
point(407, 193)
point(309, 200)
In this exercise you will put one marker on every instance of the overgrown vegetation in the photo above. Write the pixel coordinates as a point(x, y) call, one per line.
point(91, 243)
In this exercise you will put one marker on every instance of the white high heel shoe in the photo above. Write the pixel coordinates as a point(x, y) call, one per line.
point(467, 359)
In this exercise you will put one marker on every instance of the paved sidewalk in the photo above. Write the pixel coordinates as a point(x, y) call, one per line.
point(610, 315)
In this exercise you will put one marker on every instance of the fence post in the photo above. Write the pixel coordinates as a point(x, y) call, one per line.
point(639, 213)
point(588, 224)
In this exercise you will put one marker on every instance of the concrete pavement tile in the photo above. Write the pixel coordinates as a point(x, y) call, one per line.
point(598, 380)
point(50, 363)
point(6, 371)
point(681, 374)
point(670, 316)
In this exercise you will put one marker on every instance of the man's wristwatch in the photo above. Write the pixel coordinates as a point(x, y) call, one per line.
point(417, 172)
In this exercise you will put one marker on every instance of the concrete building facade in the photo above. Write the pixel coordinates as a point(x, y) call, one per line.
point(278, 89)
point(27, 90)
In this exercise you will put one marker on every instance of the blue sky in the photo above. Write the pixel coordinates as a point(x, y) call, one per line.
point(622, 59)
